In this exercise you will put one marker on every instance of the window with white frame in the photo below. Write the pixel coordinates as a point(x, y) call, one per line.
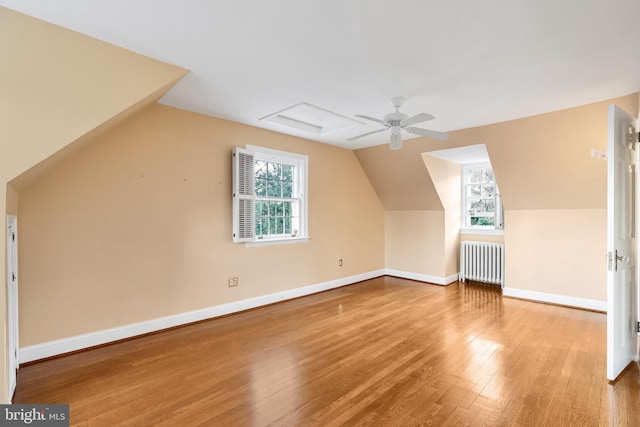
point(481, 202)
point(269, 196)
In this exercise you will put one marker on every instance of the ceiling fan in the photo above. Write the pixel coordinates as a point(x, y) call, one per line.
point(398, 121)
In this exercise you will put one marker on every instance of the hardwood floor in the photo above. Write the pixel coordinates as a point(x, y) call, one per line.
point(385, 352)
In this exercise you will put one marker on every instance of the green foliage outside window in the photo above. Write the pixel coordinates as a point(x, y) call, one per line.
point(274, 182)
point(480, 197)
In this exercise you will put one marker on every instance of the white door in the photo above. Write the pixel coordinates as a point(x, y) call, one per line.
point(621, 232)
point(12, 300)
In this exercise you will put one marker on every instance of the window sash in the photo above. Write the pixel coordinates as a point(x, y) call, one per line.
point(268, 217)
point(475, 187)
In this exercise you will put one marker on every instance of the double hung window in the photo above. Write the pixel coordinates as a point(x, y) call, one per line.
point(481, 202)
point(269, 196)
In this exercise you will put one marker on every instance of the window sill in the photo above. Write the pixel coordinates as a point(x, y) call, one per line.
point(270, 242)
point(486, 231)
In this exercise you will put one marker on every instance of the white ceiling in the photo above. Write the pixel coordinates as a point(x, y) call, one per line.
point(468, 63)
point(463, 155)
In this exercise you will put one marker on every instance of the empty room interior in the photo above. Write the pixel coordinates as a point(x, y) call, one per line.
point(146, 285)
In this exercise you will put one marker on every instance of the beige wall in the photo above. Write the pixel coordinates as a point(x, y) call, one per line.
point(399, 178)
point(543, 163)
point(137, 225)
point(560, 252)
point(57, 86)
point(446, 177)
point(451, 242)
point(497, 238)
point(12, 201)
point(414, 242)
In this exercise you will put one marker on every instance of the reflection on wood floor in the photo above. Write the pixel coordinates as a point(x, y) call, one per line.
point(384, 352)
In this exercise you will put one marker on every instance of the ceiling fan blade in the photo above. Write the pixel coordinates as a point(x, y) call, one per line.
point(418, 118)
point(373, 119)
point(366, 134)
point(428, 133)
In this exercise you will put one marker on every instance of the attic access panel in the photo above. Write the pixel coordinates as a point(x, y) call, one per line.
point(309, 118)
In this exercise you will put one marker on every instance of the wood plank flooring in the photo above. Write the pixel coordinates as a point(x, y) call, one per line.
point(384, 352)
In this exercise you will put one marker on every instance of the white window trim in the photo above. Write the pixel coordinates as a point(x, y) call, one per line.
point(483, 231)
point(302, 167)
point(497, 230)
point(276, 241)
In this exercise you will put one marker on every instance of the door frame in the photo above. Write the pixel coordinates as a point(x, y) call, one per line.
point(12, 301)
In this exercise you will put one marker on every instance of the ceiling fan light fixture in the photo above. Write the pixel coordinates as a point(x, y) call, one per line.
point(396, 141)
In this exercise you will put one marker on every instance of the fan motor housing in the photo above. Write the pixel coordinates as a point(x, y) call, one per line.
point(396, 116)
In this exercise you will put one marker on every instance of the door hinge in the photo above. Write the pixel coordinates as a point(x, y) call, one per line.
point(609, 260)
point(638, 327)
point(13, 237)
point(13, 276)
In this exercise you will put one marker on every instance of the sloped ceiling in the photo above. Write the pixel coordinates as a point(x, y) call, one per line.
point(469, 63)
point(540, 162)
point(58, 86)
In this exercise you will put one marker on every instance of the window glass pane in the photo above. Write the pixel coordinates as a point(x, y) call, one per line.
point(287, 173)
point(287, 189)
point(261, 208)
point(487, 175)
point(261, 169)
point(482, 220)
point(276, 226)
point(274, 188)
point(490, 205)
point(262, 226)
point(261, 187)
point(274, 171)
point(477, 206)
point(286, 208)
point(474, 175)
point(275, 209)
point(488, 190)
point(474, 191)
point(474, 206)
point(287, 225)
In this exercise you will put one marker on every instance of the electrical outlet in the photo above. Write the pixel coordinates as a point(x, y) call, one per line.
point(340, 262)
point(233, 281)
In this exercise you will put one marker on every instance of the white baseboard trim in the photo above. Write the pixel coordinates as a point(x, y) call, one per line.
point(422, 277)
point(450, 279)
point(79, 342)
point(589, 304)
